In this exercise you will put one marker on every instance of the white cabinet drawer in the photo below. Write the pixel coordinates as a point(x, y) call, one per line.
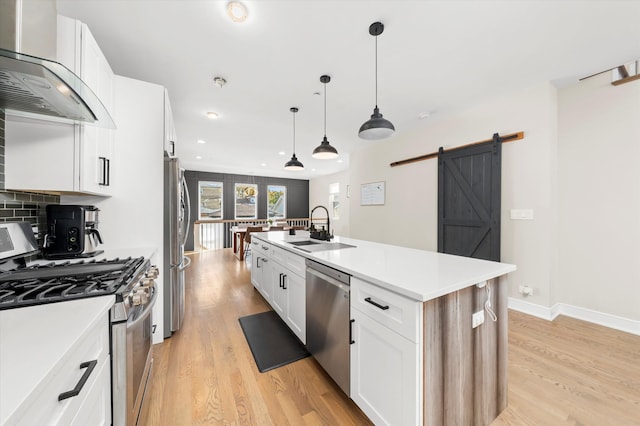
point(278, 254)
point(43, 407)
point(262, 248)
point(397, 312)
point(295, 263)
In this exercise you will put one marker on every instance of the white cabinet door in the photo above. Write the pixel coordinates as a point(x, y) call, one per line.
point(266, 289)
point(169, 127)
point(295, 288)
point(279, 301)
point(257, 269)
point(385, 369)
point(96, 407)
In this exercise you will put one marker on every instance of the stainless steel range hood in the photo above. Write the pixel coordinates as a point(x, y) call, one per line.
point(33, 85)
point(38, 86)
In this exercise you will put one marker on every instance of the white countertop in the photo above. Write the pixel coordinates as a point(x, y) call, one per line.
point(418, 274)
point(34, 339)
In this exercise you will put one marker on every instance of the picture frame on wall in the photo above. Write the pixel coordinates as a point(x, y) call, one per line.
point(372, 194)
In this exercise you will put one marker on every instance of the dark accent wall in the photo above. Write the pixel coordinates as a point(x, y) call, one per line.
point(22, 206)
point(297, 194)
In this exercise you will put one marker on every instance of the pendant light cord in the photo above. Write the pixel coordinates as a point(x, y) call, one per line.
point(376, 71)
point(294, 133)
point(325, 110)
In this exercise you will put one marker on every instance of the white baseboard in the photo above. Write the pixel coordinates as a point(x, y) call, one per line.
point(584, 314)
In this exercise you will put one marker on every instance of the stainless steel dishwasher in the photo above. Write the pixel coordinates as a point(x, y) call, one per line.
point(328, 320)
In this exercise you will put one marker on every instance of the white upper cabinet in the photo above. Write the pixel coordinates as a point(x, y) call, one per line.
point(169, 127)
point(45, 156)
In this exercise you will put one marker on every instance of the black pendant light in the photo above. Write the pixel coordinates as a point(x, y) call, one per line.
point(325, 151)
point(294, 164)
point(376, 127)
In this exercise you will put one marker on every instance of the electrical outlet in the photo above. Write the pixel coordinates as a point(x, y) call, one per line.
point(525, 290)
point(477, 318)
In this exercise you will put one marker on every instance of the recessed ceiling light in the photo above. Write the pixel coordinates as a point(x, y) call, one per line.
point(313, 170)
point(198, 157)
point(423, 115)
point(212, 115)
point(281, 153)
point(237, 11)
point(201, 141)
point(263, 164)
point(340, 160)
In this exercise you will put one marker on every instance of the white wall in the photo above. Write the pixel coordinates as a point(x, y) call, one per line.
point(409, 216)
point(599, 214)
point(319, 195)
point(577, 168)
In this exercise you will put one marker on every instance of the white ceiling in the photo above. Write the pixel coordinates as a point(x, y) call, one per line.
point(434, 56)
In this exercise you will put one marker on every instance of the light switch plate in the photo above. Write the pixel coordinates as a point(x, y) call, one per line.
point(521, 214)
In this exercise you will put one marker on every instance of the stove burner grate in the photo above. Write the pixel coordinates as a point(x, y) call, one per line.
point(60, 282)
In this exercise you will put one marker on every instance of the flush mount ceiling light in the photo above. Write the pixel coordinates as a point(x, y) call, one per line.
point(212, 115)
point(237, 11)
point(325, 151)
point(376, 127)
point(294, 164)
point(219, 81)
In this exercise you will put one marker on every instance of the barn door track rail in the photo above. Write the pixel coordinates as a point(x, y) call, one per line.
point(506, 138)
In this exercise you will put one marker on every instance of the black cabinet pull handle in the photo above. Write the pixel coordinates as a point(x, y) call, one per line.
point(377, 305)
point(351, 341)
point(284, 283)
point(281, 280)
point(103, 166)
point(108, 178)
point(89, 365)
point(258, 259)
point(173, 148)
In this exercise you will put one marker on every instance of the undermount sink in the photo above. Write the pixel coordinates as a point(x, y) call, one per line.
point(303, 243)
point(313, 246)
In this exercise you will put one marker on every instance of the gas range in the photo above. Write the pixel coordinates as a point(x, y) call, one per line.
point(56, 282)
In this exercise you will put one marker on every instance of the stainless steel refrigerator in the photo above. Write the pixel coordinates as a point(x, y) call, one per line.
point(177, 217)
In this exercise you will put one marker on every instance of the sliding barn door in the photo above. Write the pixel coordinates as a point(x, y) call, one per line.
point(469, 200)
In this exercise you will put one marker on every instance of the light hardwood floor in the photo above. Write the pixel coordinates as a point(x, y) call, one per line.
point(561, 372)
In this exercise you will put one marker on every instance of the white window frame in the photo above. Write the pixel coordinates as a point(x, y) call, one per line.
point(247, 195)
point(207, 183)
point(284, 201)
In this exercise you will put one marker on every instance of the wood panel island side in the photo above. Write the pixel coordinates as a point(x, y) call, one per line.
point(416, 356)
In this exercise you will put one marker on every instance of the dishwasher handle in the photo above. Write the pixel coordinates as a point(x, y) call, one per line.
point(328, 279)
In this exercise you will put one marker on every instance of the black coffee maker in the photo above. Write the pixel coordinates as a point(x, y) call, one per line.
point(72, 231)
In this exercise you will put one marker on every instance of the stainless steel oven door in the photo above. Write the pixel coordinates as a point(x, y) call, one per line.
point(131, 363)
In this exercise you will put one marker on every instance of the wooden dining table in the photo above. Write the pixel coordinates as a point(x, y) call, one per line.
point(238, 236)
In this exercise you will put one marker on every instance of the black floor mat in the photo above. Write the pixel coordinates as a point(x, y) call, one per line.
point(272, 343)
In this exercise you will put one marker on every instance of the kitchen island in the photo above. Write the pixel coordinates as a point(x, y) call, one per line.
point(429, 342)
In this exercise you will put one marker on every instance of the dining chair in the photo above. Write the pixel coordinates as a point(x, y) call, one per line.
point(247, 237)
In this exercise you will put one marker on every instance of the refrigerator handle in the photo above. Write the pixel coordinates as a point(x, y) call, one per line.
point(187, 208)
point(186, 261)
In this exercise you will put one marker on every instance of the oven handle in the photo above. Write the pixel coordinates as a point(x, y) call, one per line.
point(146, 311)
